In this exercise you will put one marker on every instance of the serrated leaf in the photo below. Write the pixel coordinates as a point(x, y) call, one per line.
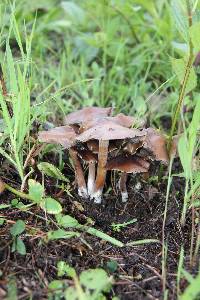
point(179, 67)
point(36, 190)
point(61, 234)
point(20, 246)
point(65, 269)
point(50, 170)
point(17, 228)
point(51, 206)
point(67, 221)
point(194, 32)
point(95, 279)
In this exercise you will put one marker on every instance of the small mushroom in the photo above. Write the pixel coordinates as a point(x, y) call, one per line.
point(65, 136)
point(79, 175)
point(127, 164)
point(91, 159)
point(104, 132)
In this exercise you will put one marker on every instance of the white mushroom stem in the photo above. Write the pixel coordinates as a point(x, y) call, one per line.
point(101, 171)
point(122, 186)
point(91, 177)
point(82, 189)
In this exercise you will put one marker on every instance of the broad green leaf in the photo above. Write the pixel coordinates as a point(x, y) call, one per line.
point(67, 221)
point(194, 32)
point(71, 293)
point(51, 206)
point(20, 246)
point(55, 285)
point(12, 289)
point(61, 234)
point(36, 190)
point(95, 279)
point(17, 228)
point(179, 67)
point(50, 170)
point(193, 289)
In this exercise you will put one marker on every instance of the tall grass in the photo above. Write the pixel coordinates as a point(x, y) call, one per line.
point(15, 102)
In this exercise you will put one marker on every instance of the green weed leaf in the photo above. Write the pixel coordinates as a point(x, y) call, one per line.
point(17, 228)
point(51, 206)
point(50, 170)
point(194, 32)
point(67, 221)
point(36, 190)
point(20, 246)
point(95, 279)
point(55, 285)
point(71, 293)
point(61, 234)
point(65, 269)
point(179, 67)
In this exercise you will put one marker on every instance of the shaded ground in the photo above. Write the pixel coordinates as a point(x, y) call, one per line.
point(138, 275)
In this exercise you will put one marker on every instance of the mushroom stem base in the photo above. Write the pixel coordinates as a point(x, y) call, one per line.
point(124, 196)
point(82, 192)
point(97, 196)
point(91, 178)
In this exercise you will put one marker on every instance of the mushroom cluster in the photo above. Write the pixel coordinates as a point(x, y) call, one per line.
point(104, 142)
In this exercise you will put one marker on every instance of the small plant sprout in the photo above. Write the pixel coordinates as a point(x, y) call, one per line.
point(119, 226)
point(94, 137)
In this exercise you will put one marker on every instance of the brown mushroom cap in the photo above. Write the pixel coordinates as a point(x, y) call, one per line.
point(109, 131)
point(128, 164)
point(86, 114)
point(155, 143)
point(63, 135)
point(123, 120)
point(120, 119)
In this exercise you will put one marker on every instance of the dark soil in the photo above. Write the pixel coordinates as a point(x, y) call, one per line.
point(139, 272)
